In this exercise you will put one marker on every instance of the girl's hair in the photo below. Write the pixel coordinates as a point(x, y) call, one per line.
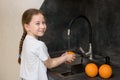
point(26, 18)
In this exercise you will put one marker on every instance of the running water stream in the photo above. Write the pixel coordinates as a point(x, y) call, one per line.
point(68, 64)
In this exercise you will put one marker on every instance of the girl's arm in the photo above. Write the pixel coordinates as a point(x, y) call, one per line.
point(54, 62)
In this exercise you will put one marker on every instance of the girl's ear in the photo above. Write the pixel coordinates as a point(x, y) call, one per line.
point(26, 26)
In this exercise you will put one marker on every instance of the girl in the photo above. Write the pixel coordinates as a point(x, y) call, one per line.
point(34, 55)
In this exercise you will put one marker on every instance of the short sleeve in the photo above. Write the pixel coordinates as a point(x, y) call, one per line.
point(42, 52)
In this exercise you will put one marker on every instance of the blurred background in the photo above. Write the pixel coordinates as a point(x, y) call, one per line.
point(10, 34)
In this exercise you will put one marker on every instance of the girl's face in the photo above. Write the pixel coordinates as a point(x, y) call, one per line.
point(37, 26)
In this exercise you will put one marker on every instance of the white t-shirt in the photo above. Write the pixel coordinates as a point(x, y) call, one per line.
point(34, 52)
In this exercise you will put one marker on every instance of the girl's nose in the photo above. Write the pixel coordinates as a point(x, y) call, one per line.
point(42, 26)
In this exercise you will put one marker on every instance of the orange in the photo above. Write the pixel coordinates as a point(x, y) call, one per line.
point(70, 52)
point(91, 69)
point(105, 71)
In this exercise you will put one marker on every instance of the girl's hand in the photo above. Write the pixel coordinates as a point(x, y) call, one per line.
point(70, 56)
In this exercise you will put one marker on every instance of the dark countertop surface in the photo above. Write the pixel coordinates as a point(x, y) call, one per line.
point(83, 76)
point(59, 73)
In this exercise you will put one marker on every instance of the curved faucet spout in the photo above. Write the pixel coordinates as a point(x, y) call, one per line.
point(89, 53)
point(90, 28)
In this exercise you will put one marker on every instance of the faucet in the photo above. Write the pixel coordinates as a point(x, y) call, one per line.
point(89, 53)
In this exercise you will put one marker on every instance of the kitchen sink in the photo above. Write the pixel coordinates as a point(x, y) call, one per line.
point(76, 67)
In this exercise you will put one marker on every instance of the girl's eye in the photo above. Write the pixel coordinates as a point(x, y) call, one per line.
point(38, 23)
point(43, 22)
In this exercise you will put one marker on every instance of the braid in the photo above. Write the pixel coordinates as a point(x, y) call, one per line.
point(20, 46)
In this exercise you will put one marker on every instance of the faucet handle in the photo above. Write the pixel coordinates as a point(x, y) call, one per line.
point(81, 49)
